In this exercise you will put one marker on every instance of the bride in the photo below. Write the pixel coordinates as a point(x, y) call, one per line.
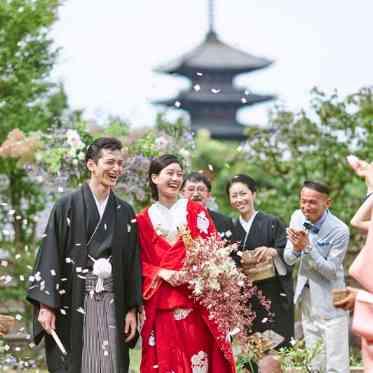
point(177, 335)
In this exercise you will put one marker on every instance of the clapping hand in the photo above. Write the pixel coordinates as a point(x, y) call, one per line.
point(299, 238)
point(362, 169)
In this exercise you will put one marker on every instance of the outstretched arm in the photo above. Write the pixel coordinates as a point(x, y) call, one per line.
point(363, 215)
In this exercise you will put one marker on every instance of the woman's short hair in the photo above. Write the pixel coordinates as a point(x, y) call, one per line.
point(244, 179)
point(156, 166)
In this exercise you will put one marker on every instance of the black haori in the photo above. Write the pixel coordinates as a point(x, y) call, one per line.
point(75, 232)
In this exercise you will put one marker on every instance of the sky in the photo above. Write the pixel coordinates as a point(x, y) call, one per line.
point(110, 48)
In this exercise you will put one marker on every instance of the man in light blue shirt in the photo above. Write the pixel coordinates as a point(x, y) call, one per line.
point(318, 241)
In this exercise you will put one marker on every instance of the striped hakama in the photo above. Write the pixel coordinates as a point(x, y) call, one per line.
point(99, 330)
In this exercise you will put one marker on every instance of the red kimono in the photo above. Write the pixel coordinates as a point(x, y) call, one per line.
point(177, 336)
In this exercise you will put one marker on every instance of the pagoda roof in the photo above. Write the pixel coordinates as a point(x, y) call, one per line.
point(235, 98)
point(228, 130)
point(214, 55)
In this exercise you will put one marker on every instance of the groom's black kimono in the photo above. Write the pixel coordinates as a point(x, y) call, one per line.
point(74, 232)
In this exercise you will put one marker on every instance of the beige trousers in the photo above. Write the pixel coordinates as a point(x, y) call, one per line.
point(333, 333)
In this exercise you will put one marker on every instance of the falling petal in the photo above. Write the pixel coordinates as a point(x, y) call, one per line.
point(177, 104)
point(53, 272)
point(81, 310)
point(197, 87)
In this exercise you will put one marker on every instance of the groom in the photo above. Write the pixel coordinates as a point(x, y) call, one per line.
point(86, 281)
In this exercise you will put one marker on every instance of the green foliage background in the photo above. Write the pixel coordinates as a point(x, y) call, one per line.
point(293, 147)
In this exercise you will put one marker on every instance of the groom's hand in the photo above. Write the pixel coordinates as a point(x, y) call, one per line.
point(130, 325)
point(47, 318)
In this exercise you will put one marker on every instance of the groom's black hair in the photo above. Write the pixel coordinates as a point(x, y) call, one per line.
point(94, 150)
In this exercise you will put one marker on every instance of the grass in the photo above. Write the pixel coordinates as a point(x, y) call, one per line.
point(135, 357)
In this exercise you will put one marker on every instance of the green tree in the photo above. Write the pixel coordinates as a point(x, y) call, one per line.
point(29, 101)
point(294, 147)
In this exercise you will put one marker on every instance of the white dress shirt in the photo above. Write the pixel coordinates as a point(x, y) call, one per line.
point(101, 206)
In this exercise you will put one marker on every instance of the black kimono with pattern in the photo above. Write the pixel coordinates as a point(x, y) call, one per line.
point(75, 232)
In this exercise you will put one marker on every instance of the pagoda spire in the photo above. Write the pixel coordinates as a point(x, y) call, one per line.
point(212, 100)
point(211, 16)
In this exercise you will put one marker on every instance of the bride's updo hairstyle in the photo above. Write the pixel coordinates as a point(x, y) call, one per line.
point(156, 166)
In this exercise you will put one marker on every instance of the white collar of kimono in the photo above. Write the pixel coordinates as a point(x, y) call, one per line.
point(101, 206)
point(169, 218)
point(247, 224)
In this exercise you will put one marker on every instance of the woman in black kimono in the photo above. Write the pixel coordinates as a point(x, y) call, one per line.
point(265, 233)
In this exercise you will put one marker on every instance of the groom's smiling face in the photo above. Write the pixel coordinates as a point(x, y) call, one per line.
point(108, 168)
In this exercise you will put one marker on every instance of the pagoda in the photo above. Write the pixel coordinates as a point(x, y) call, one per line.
point(212, 100)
